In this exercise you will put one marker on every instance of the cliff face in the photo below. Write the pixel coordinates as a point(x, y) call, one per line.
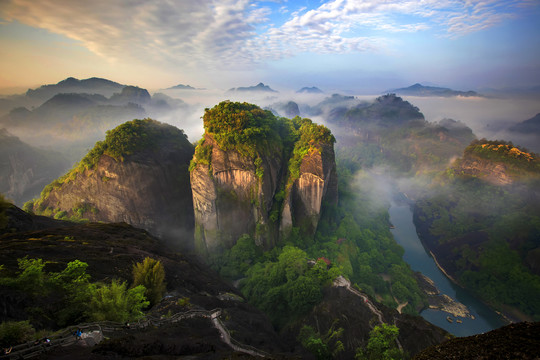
point(493, 172)
point(148, 188)
point(229, 198)
point(498, 162)
point(317, 182)
point(245, 187)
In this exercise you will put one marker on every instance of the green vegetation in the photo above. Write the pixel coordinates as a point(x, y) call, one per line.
point(124, 140)
point(115, 302)
point(287, 287)
point(323, 346)
point(15, 332)
point(493, 233)
point(68, 297)
point(241, 126)
point(151, 274)
point(4, 205)
point(352, 239)
point(310, 137)
point(131, 137)
point(381, 345)
point(394, 133)
point(516, 157)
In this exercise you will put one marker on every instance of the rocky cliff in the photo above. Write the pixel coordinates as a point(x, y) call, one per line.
point(138, 175)
point(252, 172)
point(317, 182)
point(497, 162)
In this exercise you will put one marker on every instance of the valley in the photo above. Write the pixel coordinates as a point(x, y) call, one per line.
point(300, 213)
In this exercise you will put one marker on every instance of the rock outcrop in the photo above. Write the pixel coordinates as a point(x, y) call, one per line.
point(497, 162)
point(316, 183)
point(138, 175)
point(255, 174)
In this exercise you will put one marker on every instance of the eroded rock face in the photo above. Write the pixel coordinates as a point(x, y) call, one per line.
point(263, 178)
point(148, 189)
point(317, 183)
point(230, 199)
point(493, 172)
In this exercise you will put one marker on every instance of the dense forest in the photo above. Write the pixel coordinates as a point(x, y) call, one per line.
point(486, 234)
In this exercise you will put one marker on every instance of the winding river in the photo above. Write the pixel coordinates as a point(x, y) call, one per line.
point(416, 256)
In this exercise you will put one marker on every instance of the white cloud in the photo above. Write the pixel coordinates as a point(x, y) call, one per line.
point(227, 33)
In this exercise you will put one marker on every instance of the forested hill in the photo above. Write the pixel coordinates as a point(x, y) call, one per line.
point(138, 174)
point(481, 219)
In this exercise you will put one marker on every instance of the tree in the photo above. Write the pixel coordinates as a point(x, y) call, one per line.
point(115, 302)
point(381, 345)
point(151, 274)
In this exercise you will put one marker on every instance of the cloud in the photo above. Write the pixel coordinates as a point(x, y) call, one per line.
point(235, 34)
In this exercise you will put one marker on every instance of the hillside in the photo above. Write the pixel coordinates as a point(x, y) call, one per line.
point(25, 170)
point(138, 174)
point(394, 133)
point(516, 341)
point(110, 250)
point(481, 221)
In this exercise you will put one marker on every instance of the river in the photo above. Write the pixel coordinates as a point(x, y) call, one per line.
point(401, 217)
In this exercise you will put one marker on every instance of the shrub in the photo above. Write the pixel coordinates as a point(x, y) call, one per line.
point(15, 332)
point(115, 302)
point(151, 274)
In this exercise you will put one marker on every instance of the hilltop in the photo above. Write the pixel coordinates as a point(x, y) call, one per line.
point(480, 220)
point(260, 87)
point(421, 90)
point(138, 174)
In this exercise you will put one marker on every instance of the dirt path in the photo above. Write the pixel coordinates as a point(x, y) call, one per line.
point(93, 334)
point(342, 282)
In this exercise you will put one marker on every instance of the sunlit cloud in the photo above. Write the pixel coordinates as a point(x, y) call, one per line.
point(232, 34)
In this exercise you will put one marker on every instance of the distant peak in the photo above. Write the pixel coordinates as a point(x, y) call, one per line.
point(259, 87)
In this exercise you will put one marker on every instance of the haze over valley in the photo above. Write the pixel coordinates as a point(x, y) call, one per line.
point(321, 180)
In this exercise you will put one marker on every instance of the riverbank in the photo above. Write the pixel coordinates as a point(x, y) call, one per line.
point(428, 241)
point(478, 318)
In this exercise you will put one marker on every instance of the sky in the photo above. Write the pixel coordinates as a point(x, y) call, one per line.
point(353, 45)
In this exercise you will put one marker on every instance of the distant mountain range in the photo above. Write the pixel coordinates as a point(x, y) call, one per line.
point(181, 87)
point(260, 87)
point(310, 90)
point(72, 85)
point(421, 90)
point(531, 126)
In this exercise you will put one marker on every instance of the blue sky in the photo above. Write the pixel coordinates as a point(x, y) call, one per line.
point(337, 44)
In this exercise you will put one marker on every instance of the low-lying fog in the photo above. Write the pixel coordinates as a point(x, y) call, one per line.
point(487, 117)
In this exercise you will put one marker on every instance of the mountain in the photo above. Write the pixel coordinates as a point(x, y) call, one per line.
point(392, 131)
point(480, 220)
point(310, 90)
point(260, 87)
point(138, 174)
point(131, 94)
point(239, 171)
point(529, 126)
point(421, 90)
point(289, 109)
point(24, 169)
point(181, 87)
point(497, 162)
point(72, 85)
